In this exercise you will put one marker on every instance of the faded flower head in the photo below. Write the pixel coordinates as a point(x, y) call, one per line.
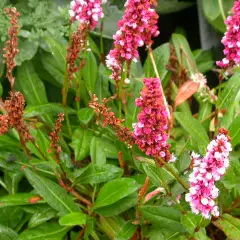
point(137, 27)
point(204, 91)
point(11, 49)
point(150, 130)
point(207, 170)
point(231, 39)
point(86, 11)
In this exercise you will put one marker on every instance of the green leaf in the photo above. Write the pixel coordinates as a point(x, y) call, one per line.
point(27, 50)
point(166, 6)
point(58, 52)
point(54, 75)
point(201, 235)
point(190, 221)
point(126, 232)
point(11, 216)
point(119, 206)
point(80, 143)
point(115, 190)
point(164, 234)
point(8, 234)
point(108, 147)
point(18, 199)
point(183, 52)
point(12, 180)
point(102, 84)
point(46, 231)
point(203, 115)
point(158, 176)
point(97, 153)
point(161, 55)
point(73, 219)
point(204, 60)
point(43, 214)
point(229, 225)
point(133, 110)
point(94, 47)
point(85, 115)
point(54, 195)
point(193, 127)
point(166, 217)
point(49, 108)
point(229, 93)
point(90, 73)
point(111, 16)
point(212, 12)
point(184, 161)
point(97, 174)
point(30, 85)
point(234, 130)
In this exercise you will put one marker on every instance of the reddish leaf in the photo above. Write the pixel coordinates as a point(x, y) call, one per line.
point(186, 91)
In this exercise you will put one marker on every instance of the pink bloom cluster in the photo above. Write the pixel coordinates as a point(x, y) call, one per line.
point(137, 27)
point(86, 11)
point(150, 130)
point(206, 172)
point(231, 40)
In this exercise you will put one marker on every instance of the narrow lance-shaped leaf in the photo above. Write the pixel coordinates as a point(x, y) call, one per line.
point(229, 225)
point(115, 190)
point(54, 195)
point(229, 93)
point(193, 127)
point(46, 231)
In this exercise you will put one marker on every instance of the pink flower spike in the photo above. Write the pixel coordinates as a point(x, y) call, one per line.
point(86, 11)
point(150, 131)
point(137, 27)
point(231, 39)
point(207, 170)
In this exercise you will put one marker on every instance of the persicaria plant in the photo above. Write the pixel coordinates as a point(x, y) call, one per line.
point(111, 130)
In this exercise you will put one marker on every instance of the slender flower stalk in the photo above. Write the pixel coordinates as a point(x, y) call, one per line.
point(231, 39)
point(137, 27)
point(109, 119)
point(150, 130)
point(11, 49)
point(207, 170)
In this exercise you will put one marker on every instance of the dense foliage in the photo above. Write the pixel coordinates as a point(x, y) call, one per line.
point(98, 141)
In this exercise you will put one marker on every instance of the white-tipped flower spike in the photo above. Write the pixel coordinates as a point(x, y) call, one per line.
point(206, 172)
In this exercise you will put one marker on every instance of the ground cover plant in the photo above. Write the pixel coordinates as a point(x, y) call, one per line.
point(107, 134)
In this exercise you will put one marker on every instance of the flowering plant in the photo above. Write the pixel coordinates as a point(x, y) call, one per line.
point(106, 132)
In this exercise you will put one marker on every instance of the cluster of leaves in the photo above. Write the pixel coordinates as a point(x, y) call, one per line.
point(98, 196)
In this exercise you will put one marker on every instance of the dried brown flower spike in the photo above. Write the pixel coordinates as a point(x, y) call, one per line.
point(77, 45)
point(11, 49)
point(109, 119)
point(14, 106)
point(54, 136)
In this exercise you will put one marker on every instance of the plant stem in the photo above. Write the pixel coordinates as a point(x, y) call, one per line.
point(68, 122)
point(101, 38)
point(177, 177)
point(161, 89)
point(78, 88)
point(79, 197)
point(221, 9)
